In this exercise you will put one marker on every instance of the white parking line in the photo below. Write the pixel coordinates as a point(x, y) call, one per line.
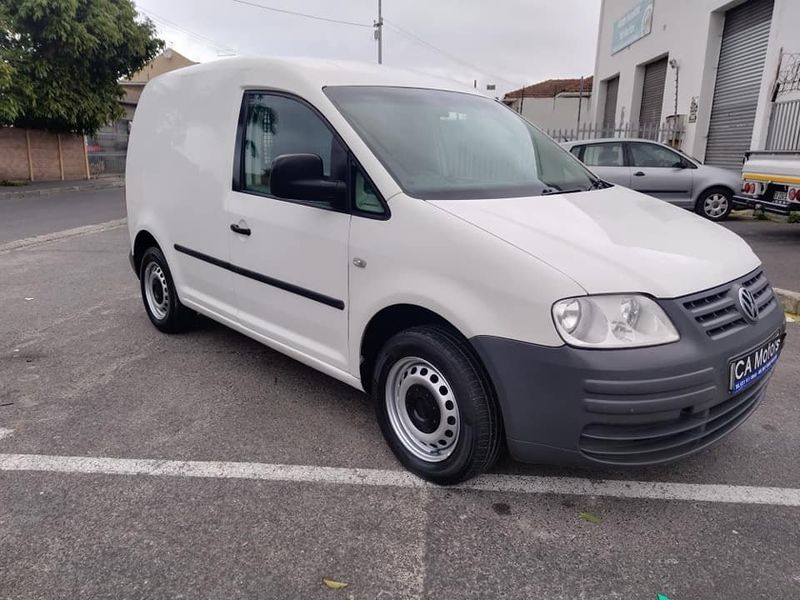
point(518, 484)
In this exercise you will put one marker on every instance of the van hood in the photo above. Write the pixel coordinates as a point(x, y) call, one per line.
point(614, 240)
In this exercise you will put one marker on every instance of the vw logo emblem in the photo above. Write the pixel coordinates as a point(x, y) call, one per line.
point(748, 304)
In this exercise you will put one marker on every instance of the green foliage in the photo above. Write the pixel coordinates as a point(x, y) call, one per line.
point(60, 61)
point(794, 217)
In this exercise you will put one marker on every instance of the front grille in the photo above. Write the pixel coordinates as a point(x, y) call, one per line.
point(685, 431)
point(717, 311)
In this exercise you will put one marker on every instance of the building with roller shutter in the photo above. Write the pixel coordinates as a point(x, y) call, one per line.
point(725, 71)
point(553, 104)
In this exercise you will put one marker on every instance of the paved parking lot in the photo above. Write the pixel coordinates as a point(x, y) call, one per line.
point(776, 242)
point(139, 465)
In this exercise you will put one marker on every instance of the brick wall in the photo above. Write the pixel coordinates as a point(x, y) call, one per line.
point(13, 155)
point(44, 155)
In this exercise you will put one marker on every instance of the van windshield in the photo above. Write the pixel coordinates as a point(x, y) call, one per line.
point(451, 145)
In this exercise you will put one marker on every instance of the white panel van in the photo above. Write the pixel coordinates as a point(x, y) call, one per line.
point(427, 245)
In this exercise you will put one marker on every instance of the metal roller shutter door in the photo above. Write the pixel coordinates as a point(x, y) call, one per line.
point(741, 66)
point(653, 93)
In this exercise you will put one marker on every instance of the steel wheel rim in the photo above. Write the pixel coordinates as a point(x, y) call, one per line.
point(715, 205)
point(156, 291)
point(414, 388)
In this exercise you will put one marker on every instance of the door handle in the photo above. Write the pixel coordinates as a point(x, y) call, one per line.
point(240, 230)
point(639, 174)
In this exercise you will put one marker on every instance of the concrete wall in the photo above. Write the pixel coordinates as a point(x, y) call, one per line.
point(34, 154)
point(560, 112)
point(691, 32)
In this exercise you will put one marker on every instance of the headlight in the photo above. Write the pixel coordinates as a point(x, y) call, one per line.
point(613, 321)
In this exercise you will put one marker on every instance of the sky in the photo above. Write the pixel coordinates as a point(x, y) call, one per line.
point(509, 43)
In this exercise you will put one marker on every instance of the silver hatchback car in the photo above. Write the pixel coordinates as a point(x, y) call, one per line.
point(658, 170)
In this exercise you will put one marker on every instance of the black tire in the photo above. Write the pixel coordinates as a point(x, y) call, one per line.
point(479, 437)
point(175, 317)
point(706, 207)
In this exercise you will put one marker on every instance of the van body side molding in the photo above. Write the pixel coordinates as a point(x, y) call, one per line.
point(265, 279)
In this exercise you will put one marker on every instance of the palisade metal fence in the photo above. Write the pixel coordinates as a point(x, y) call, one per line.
point(784, 126)
point(667, 132)
point(108, 149)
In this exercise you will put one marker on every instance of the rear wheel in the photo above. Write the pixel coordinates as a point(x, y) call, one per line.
point(434, 406)
point(158, 293)
point(715, 204)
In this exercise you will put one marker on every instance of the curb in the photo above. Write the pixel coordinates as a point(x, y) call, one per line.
point(79, 187)
point(789, 299)
point(47, 238)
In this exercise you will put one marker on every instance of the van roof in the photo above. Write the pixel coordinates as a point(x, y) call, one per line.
point(297, 74)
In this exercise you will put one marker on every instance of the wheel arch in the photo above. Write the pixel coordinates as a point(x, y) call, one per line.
point(144, 239)
point(712, 186)
point(395, 318)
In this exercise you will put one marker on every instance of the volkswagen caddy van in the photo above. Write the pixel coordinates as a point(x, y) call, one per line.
point(427, 245)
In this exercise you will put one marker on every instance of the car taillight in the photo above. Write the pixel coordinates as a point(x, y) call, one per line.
point(749, 188)
point(793, 194)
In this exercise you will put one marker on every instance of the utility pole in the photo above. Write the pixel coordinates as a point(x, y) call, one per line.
point(580, 101)
point(378, 25)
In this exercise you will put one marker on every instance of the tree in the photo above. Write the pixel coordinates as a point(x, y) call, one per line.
point(61, 61)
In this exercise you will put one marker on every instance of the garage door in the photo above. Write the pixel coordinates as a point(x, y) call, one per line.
point(741, 66)
point(653, 93)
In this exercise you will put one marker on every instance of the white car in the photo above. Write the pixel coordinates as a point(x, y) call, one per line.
point(426, 245)
point(660, 171)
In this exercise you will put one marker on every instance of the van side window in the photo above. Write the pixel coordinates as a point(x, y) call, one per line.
point(276, 125)
point(366, 200)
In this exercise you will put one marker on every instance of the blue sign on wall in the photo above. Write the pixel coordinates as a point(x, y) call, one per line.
point(633, 25)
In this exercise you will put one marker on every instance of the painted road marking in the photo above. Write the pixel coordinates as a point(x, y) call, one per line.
point(518, 484)
point(47, 238)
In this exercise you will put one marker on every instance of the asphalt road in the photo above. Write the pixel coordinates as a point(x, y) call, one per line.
point(22, 217)
point(84, 374)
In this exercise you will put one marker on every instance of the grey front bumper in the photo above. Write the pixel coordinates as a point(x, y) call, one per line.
point(630, 407)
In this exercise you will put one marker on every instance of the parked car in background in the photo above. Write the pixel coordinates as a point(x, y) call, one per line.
point(658, 170)
point(771, 180)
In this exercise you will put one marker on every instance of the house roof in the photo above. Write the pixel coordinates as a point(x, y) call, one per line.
point(168, 60)
point(552, 87)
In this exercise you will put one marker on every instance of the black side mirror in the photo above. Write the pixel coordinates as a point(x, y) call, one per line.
point(301, 177)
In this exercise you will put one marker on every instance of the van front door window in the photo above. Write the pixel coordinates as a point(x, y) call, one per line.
point(277, 125)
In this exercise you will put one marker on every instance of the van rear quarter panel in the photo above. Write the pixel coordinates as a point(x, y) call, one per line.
point(179, 176)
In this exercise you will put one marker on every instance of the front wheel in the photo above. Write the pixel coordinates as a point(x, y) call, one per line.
point(434, 406)
point(715, 204)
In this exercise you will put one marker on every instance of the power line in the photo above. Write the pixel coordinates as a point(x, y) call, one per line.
point(197, 36)
point(299, 14)
point(419, 40)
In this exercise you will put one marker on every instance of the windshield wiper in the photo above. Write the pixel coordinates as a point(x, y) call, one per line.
point(551, 191)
